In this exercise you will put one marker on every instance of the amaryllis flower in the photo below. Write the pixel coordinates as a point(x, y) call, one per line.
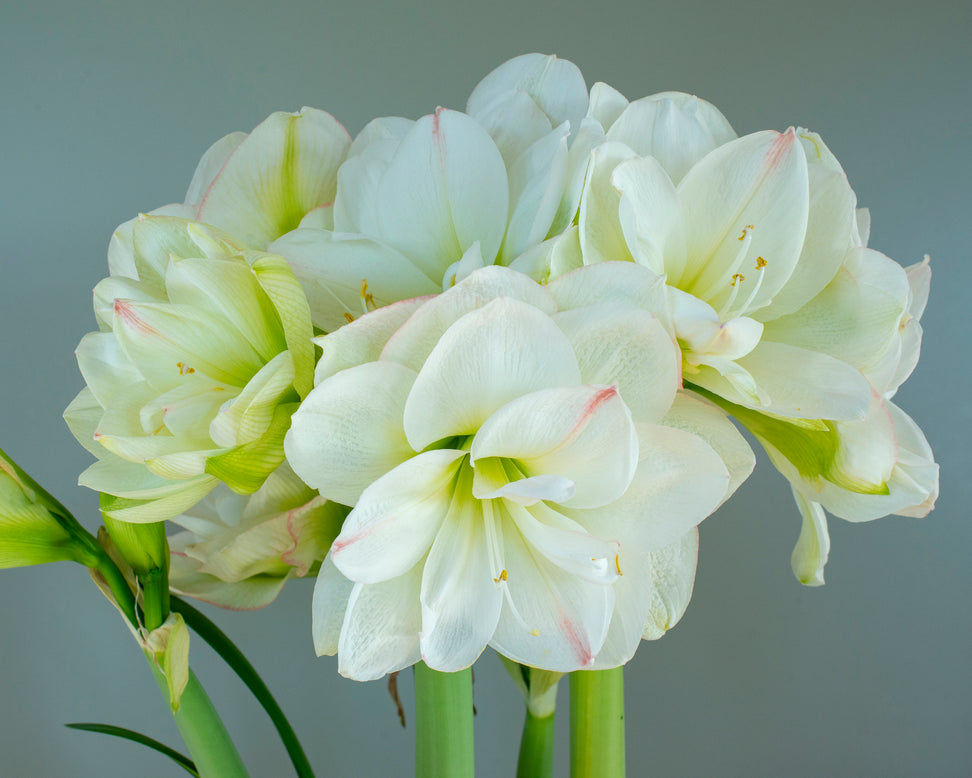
point(237, 551)
point(204, 354)
point(783, 315)
point(513, 479)
point(422, 204)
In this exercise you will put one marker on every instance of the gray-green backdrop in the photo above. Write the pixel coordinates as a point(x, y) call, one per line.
point(105, 110)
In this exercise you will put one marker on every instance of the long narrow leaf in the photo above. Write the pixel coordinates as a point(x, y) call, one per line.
point(225, 647)
point(136, 737)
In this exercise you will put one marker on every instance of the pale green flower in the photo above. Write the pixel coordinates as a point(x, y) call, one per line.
point(203, 356)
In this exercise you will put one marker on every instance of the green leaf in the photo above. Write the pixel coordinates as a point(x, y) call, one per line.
point(237, 662)
point(136, 737)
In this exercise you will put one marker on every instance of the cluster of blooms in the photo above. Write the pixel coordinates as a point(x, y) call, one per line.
point(476, 372)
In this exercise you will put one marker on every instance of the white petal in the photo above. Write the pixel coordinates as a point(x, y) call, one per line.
point(678, 482)
point(552, 619)
point(363, 339)
point(693, 414)
point(758, 180)
point(514, 122)
point(618, 282)
point(397, 518)
point(855, 318)
point(414, 341)
point(445, 188)
point(380, 633)
point(460, 600)
point(796, 383)
point(606, 104)
point(813, 546)
point(618, 344)
point(651, 216)
point(830, 229)
point(348, 432)
point(673, 576)
point(601, 237)
point(555, 85)
point(675, 128)
point(487, 358)
point(285, 167)
point(334, 268)
point(583, 433)
point(537, 179)
point(331, 593)
point(210, 165)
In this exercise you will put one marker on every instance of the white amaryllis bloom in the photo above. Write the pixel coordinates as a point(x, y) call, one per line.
point(237, 551)
point(514, 476)
point(783, 315)
point(204, 354)
point(422, 204)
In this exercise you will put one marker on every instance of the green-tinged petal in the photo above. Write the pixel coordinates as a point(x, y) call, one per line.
point(286, 167)
point(246, 467)
point(227, 287)
point(245, 418)
point(552, 258)
point(813, 546)
point(82, 417)
point(331, 593)
point(168, 343)
point(180, 496)
point(278, 281)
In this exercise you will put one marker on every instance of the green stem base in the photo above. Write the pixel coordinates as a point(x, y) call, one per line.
point(536, 748)
point(202, 730)
point(597, 724)
point(443, 723)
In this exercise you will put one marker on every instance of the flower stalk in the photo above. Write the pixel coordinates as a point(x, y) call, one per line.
point(536, 747)
point(443, 723)
point(202, 730)
point(597, 723)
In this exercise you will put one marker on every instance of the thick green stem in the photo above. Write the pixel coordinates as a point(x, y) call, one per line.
point(202, 730)
point(117, 583)
point(597, 724)
point(226, 648)
point(536, 747)
point(443, 723)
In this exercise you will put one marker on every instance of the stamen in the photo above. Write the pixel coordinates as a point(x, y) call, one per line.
point(746, 237)
point(761, 267)
point(348, 317)
point(184, 369)
point(617, 563)
point(367, 299)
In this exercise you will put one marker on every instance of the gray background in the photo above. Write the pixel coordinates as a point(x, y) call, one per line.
point(106, 108)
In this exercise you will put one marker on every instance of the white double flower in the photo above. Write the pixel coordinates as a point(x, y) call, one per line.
point(513, 481)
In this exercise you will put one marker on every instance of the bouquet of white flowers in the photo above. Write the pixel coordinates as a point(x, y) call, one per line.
point(481, 374)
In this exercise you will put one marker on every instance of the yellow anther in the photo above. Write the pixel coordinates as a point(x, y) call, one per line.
point(452, 281)
point(367, 299)
point(617, 563)
point(535, 633)
point(747, 228)
point(761, 263)
point(184, 369)
point(737, 278)
point(348, 317)
point(503, 576)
